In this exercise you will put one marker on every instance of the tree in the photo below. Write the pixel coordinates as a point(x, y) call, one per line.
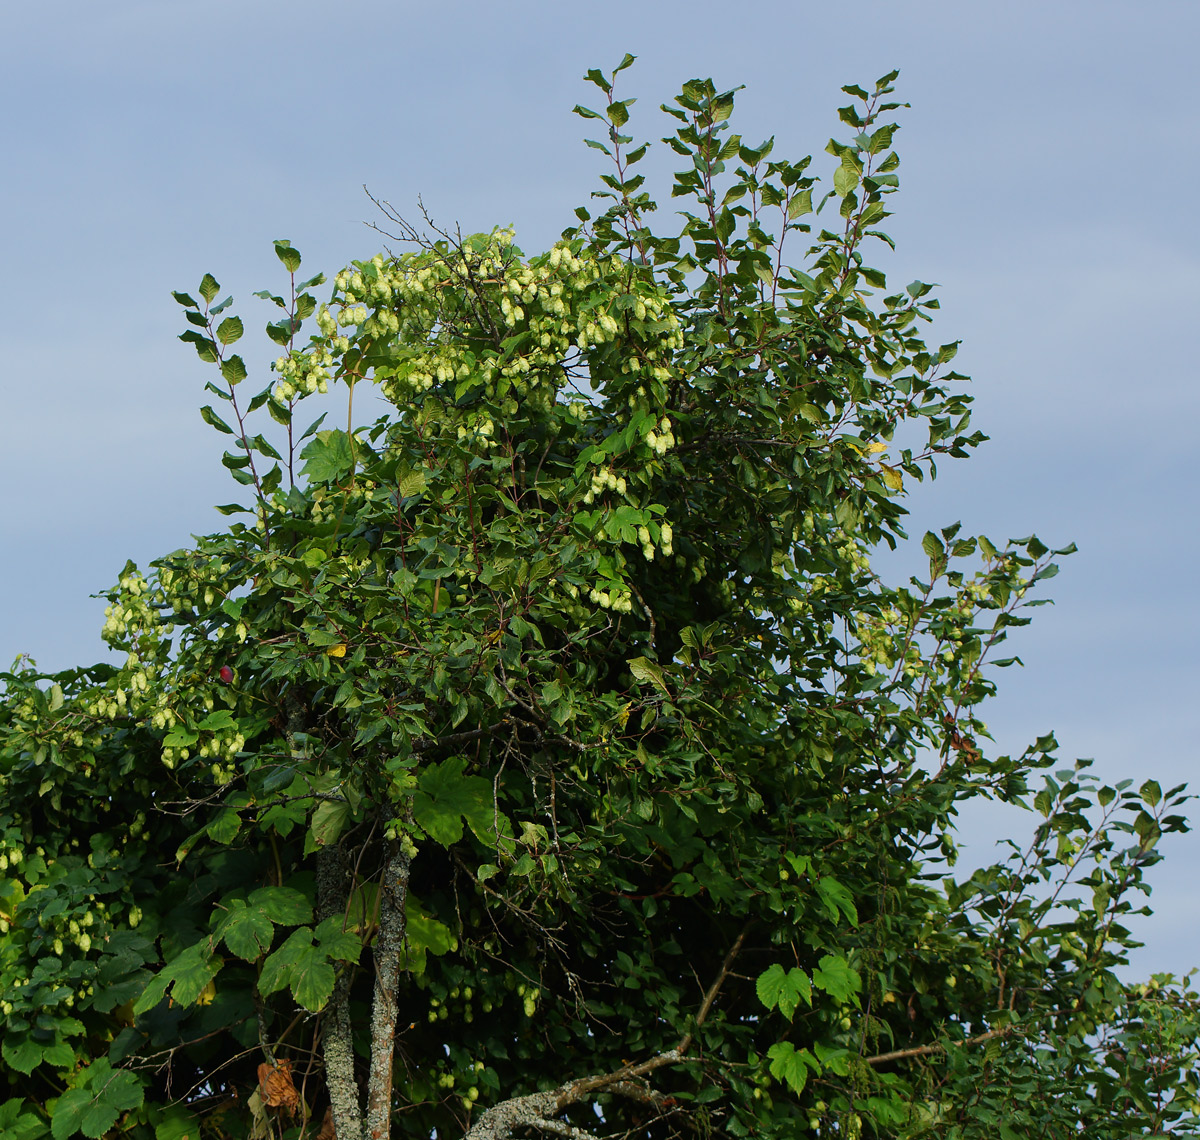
point(546, 758)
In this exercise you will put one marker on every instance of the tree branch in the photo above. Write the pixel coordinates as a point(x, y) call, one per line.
point(338, 1039)
point(537, 1110)
point(927, 1050)
point(389, 946)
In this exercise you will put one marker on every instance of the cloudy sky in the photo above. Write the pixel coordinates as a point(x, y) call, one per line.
point(1049, 159)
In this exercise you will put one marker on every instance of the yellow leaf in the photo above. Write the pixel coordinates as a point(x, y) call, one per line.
point(338, 650)
point(892, 477)
point(876, 447)
point(207, 994)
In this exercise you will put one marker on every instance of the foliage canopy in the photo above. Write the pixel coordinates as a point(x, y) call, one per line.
point(546, 758)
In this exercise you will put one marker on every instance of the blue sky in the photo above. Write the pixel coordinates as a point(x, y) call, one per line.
point(1049, 159)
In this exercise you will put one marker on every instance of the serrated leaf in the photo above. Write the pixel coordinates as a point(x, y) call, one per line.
point(233, 369)
point(776, 987)
point(835, 976)
point(230, 330)
point(328, 456)
point(424, 934)
point(246, 930)
point(845, 179)
point(186, 975)
point(328, 821)
point(21, 1053)
point(447, 797)
point(312, 980)
point(410, 483)
point(284, 905)
point(209, 288)
point(787, 1065)
point(336, 943)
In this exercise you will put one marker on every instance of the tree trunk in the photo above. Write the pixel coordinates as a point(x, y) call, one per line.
point(389, 946)
point(338, 1039)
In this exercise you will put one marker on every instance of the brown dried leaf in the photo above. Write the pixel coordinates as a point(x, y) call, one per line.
point(276, 1087)
point(328, 1132)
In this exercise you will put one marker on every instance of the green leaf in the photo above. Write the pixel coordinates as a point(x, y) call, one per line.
point(230, 330)
point(336, 943)
point(211, 417)
point(777, 988)
point(424, 935)
point(447, 797)
point(301, 966)
point(284, 905)
point(644, 669)
point(246, 930)
point(289, 256)
point(789, 1065)
point(1151, 792)
point(932, 545)
point(178, 1125)
point(799, 205)
point(410, 482)
point(205, 348)
point(233, 369)
point(329, 821)
point(845, 179)
point(328, 455)
point(21, 1054)
point(835, 976)
point(312, 980)
point(209, 288)
point(101, 1095)
point(187, 974)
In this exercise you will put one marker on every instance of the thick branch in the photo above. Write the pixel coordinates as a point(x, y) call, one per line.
point(538, 1109)
point(389, 946)
point(338, 1038)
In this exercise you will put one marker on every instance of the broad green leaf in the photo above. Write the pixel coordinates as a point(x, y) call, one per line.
point(777, 988)
point(328, 456)
point(289, 256)
point(644, 669)
point(447, 797)
point(233, 369)
point(328, 821)
point(835, 976)
point(187, 974)
point(177, 1125)
point(246, 930)
point(284, 905)
point(21, 1053)
point(789, 1065)
point(799, 205)
point(845, 179)
point(336, 943)
point(230, 330)
point(424, 935)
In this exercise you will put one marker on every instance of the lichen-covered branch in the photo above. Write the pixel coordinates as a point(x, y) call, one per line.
point(389, 946)
point(338, 1038)
point(538, 1110)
